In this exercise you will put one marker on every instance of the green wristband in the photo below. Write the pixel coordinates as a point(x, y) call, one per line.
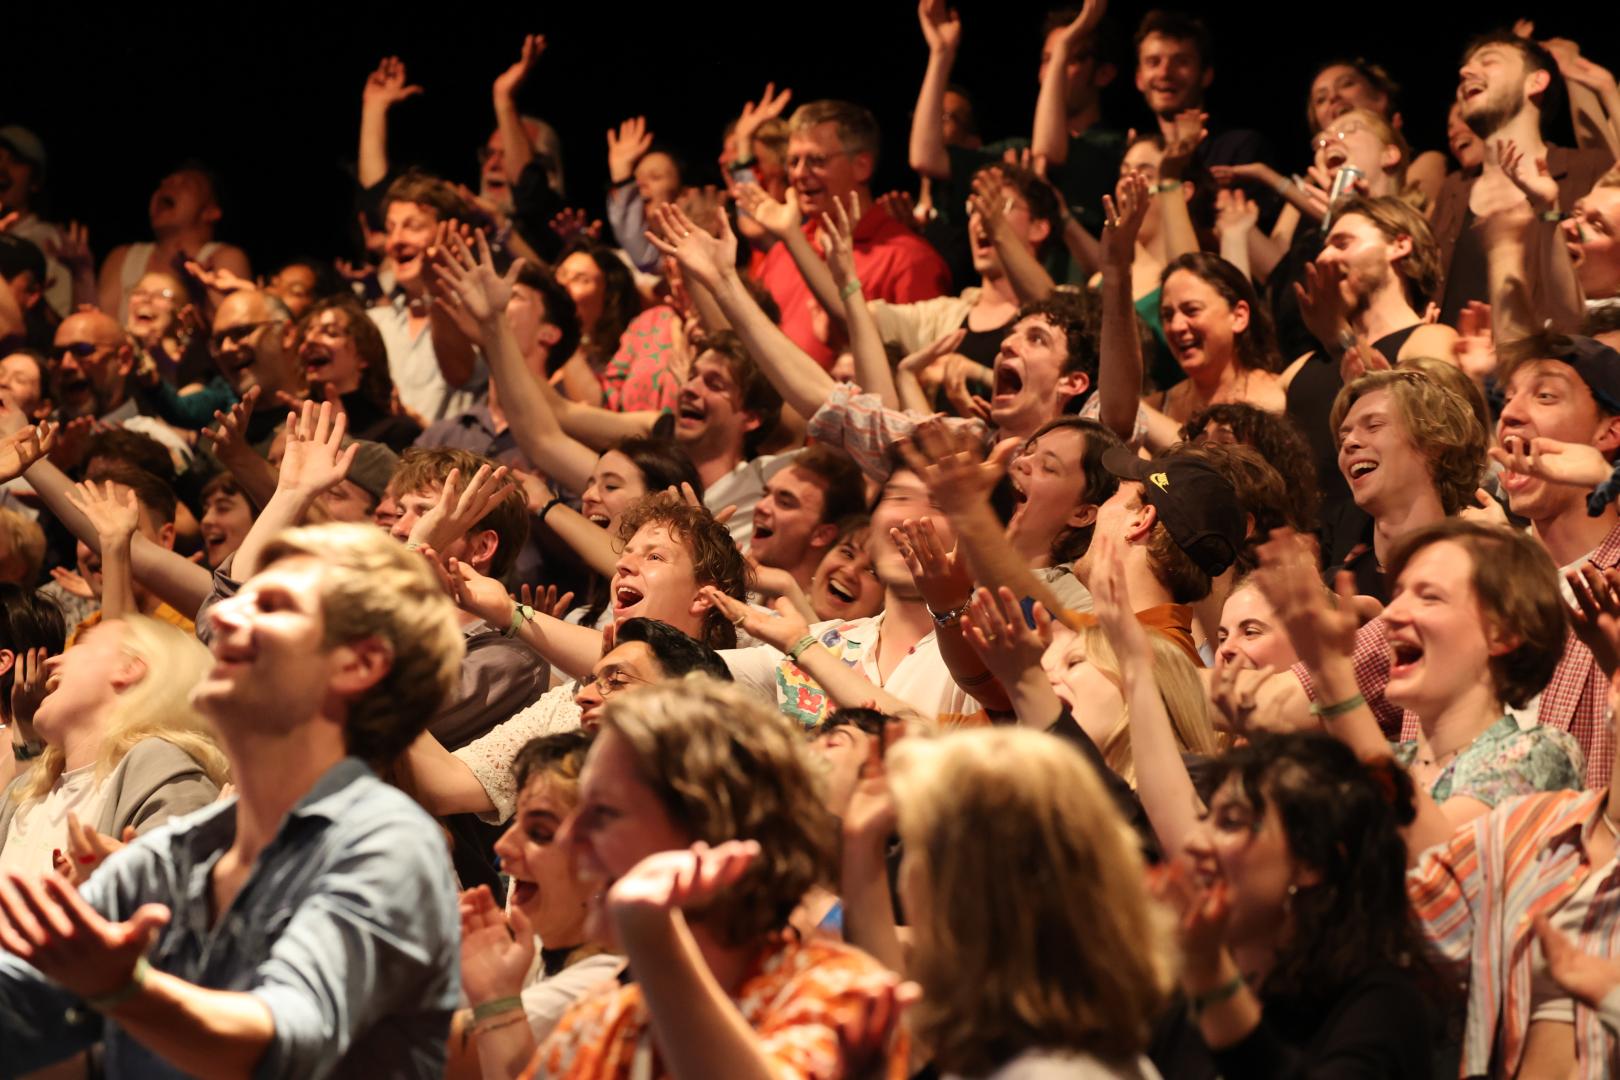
point(137, 983)
point(850, 288)
point(800, 646)
point(495, 1008)
point(521, 613)
point(1224, 992)
point(1339, 708)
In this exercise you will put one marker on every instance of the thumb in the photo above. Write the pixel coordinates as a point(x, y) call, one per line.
point(522, 930)
point(1003, 453)
point(129, 834)
point(147, 921)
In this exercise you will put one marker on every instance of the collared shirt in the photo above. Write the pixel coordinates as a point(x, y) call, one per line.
point(163, 613)
point(892, 262)
point(1475, 896)
point(346, 929)
point(414, 366)
point(499, 676)
point(743, 487)
point(921, 679)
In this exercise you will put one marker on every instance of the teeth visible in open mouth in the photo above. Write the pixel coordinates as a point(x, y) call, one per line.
point(1362, 468)
point(840, 592)
point(625, 596)
point(598, 519)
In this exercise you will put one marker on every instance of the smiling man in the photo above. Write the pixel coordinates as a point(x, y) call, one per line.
point(797, 519)
point(306, 927)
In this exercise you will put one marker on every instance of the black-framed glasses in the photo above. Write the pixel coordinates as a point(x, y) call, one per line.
point(235, 335)
point(609, 682)
point(79, 350)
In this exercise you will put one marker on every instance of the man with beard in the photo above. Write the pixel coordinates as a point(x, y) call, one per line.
point(90, 367)
point(1507, 88)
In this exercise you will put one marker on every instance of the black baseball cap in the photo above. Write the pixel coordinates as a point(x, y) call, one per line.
point(1596, 364)
point(1197, 504)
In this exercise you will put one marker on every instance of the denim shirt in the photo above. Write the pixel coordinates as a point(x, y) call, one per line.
point(346, 929)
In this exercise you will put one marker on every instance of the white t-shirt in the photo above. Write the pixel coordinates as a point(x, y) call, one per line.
point(743, 487)
point(921, 679)
point(40, 825)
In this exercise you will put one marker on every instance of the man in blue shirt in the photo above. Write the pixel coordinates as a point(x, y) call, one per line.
point(307, 928)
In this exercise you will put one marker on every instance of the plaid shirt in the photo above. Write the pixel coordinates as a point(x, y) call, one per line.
point(1575, 700)
point(1475, 895)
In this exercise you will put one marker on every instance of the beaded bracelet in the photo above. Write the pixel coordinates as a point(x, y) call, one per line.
point(800, 646)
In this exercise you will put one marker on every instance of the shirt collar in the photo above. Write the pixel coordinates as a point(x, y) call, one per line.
point(332, 793)
point(1578, 824)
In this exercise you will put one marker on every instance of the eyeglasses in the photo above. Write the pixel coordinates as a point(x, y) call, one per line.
point(609, 682)
point(80, 350)
point(234, 335)
point(151, 294)
point(1328, 138)
point(813, 162)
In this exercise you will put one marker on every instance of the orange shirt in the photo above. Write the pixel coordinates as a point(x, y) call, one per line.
point(164, 613)
point(810, 1004)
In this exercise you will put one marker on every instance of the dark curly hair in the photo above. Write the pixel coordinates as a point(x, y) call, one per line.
point(1260, 488)
point(1279, 441)
point(715, 558)
point(1077, 315)
point(1342, 818)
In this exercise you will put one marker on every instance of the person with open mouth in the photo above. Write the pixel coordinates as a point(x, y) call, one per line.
point(696, 867)
point(547, 906)
point(1343, 86)
point(797, 519)
point(344, 359)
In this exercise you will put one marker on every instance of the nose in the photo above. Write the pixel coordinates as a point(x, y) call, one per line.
point(1397, 612)
point(226, 616)
point(507, 846)
point(588, 696)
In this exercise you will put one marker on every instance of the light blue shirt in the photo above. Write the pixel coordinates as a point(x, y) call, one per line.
point(346, 929)
point(414, 365)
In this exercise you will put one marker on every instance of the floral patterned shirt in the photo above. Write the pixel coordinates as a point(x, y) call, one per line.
point(811, 1004)
point(1508, 758)
point(641, 375)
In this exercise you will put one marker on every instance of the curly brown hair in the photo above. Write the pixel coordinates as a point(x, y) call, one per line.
point(1440, 424)
point(715, 558)
point(1279, 442)
point(1260, 488)
point(1517, 587)
point(727, 766)
point(375, 381)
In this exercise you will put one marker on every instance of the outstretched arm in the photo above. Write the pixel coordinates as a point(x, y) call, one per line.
point(942, 29)
point(116, 521)
point(1119, 368)
point(1029, 279)
point(781, 220)
point(1051, 137)
point(872, 371)
point(712, 262)
point(314, 460)
point(572, 648)
point(385, 88)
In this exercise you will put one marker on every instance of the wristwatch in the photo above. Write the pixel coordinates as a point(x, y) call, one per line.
point(943, 619)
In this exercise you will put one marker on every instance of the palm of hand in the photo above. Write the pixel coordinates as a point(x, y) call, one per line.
point(663, 881)
point(493, 962)
point(779, 217)
point(487, 293)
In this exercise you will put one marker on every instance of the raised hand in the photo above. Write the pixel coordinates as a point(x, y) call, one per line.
point(23, 447)
point(387, 86)
point(1076, 32)
point(1578, 464)
point(474, 592)
point(508, 81)
point(1187, 131)
point(994, 626)
point(1595, 615)
point(989, 202)
point(770, 106)
point(46, 923)
point(572, 221)
point(779, 219)
point(217, 279)
point(1532, 178)
point(230, 437)
point(495, 954)
point(1322, 305)
point(71, 248)
point(780, 631)
point(702, 256)
point(1475, 347)
point(954, 377)
point(87, 849)
point(1359, 359)
point(547, 600)
point(670, 881)
point(466, 283)
point(1123, 214)
point(953, 466)
point(941, 26)
point(1235, 212)
point(838, 238)
point(114, 519)
point(459, 508)
point(1232, 689)
point(1321, 627)
point(932, 353)
point(941, 577)
point(1114, 610)
point(28, 684)
point(314, 459)
point(626, 147)
point(72, 582)
point(1202, 910)
point(902, 208)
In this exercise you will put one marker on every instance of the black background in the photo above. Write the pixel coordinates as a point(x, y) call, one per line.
point(271, 95)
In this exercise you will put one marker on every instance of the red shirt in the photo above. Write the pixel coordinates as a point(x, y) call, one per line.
point(893, 263)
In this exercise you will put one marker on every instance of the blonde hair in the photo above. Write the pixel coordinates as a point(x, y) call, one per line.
point(374, 587)
point(22, 548)
point(1179, 686)
point(1038, 930)
point(156, 706)
point(728, 766)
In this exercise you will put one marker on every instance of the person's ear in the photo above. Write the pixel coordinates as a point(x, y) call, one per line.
point(360, 665)
point(211, 214)
point(823, 536)
point(165, 535)
point(1141, 77)
point(549, 334)
point(1306, 877)
point(1039, 230)
point(129, 672)
point(1084, 516)
point(1607, 437)
point(481, 548)
point(1141, 525)
point(1391, 157)
point(8, 660)
point(1240, 316)
point(1499, 642)
point(750, 421)
point(864, 165)
point(125, 361)
point(1400, 248)
point(701, 605)
point(1206, 78)
point(1072, 384)
point(1536, 83)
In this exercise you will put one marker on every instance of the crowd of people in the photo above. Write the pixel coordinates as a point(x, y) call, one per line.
point(1132, 604)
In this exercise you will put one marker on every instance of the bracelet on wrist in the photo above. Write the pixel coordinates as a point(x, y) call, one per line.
point(546, 509)
point(801, 646)
point(943, 619)
point(851, 287)
point(1224, 992)
point(521, 613)
point(490, 1009)
point(137, 983)
point(1552, 216)
point(1338, 708)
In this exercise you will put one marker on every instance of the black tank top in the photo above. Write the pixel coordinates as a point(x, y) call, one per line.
point(1310, 405)
point(982, 346)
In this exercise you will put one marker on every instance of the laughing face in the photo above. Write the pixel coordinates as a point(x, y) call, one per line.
point(623, 667)
point(586, 285)
point(1547, 399)
point(1031, 386)
point(183, 200)
point(1170, 75)
point(1340, 88)
point(251, 347)
point(615, 486)
point(1436, 612)
point(153, 303)
point(1250, 631)
point(905, 497)
point(1049, 485)
point(1092, 696)
point(78, 682)
point(709, 417)
point(821, 169)
point(1367, 257)
point(1493, 87)
point(544, 885)
point(89, 362)
point(1592, 238)
point(656, 579)
point(1248, 852)
point(329, 354)
point(1377, 456)
point(1350, 141)
point(657, 178)
point(1465, 146)
point(226, 519)
point(1200, 325)
point(20, 384)
point(845, 587)
point(620, 820)
point(409, 229)
point(787, 520)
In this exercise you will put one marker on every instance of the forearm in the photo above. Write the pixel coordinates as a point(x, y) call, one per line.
point(815, 273)
point(872, 371)
point(285, 509)
point(590, 541)
point(1227, 1022)
point(863, 886)
point(503, 1046)
point(699, 1032)
point(1029, 279)
point(847, 686)
point(206, 1033)
point(1235, 249)
point(802, 382)
point(253, 474)
point(1594, 128)
point(372, 166)
point(1180, 238)
point(530, 418)
point(909, 392)
point(994, 562)
point(1561, 298)
point(1119, 363)
point(1033, 701)
point(1162, 782)
point(1050, 138)
point(455, 354)
point(1083, 247)
point(598, 428)
point(708, 312)
point(442, 782)
point(1264, 252)
point(572, 648)
point(928, 155)
point(515, 147)
point(1513, 316)
point(117, 583)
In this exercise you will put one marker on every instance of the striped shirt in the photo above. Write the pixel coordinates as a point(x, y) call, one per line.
point(1475, 896)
